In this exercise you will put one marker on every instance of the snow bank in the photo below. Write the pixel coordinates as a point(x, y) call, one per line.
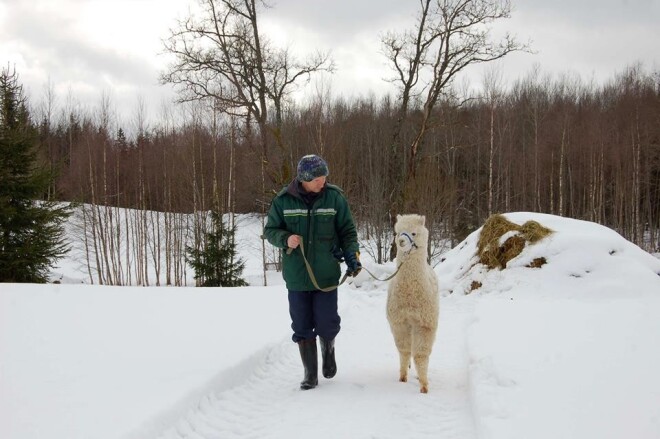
point(566, 350)
point(582, 258)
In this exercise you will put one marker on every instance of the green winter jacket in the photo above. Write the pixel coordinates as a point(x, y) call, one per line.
point(326, 225)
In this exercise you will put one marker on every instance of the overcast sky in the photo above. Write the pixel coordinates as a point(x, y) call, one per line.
point(89, 47)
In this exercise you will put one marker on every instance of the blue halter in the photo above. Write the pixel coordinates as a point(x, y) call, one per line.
point(412, 241)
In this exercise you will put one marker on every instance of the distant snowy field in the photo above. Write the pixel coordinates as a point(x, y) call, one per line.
point(568, 350)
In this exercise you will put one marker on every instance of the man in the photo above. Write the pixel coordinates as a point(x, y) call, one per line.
point(313, 215)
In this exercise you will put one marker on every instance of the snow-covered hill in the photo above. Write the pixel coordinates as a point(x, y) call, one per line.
point(567, 350)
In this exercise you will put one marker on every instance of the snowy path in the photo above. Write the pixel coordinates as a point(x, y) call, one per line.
point(360, 402)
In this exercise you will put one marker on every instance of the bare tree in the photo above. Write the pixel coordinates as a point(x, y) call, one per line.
point(449, 36)
point(221, 55)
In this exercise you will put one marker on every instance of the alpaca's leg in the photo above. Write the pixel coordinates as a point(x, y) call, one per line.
point(422, 366)
point(403, 340)
point(404, 365)
point(421, 350)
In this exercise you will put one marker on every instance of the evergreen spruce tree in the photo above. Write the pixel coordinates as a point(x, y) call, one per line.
point(216, 263)
point(31, 228)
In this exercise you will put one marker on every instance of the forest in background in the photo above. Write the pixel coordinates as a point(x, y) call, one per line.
point(558, 145)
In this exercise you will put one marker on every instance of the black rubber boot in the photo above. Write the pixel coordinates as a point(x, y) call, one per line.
point(328, 354)
point(309, 357)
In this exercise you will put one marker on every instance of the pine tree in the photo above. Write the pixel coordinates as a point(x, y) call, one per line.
point(31, 231)
point(216, 263)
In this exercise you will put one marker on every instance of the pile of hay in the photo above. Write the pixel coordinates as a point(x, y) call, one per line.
point(495, 254)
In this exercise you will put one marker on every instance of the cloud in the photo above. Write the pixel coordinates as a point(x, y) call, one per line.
point(76, 47)
point(92, 46)
point(51, 42)
point(340, 20)
point(599, 14)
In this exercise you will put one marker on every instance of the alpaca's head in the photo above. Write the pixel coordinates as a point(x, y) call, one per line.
point(411, 234)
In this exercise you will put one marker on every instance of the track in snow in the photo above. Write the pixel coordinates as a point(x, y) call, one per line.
point(364, 400)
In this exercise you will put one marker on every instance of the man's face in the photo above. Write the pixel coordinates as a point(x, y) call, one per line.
point(315, 185)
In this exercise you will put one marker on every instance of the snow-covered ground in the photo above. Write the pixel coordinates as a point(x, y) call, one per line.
point(568, 350)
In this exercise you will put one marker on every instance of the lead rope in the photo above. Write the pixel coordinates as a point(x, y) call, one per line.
point(343, 279)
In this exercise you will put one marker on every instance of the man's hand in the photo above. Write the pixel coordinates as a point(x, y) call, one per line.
point(353, 265)
point(293, 241)
point(337, 253)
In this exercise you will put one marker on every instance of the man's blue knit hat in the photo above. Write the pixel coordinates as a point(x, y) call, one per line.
point(311, 167)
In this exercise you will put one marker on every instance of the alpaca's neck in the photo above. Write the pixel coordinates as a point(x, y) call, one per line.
point(413, 258)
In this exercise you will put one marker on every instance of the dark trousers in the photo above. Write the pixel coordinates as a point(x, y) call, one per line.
point(313, 313)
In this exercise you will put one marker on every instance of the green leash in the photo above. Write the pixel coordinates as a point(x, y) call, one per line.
point(310, 272)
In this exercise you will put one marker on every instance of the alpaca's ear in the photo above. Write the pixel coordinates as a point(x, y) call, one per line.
point(398, 217)
point(422, 220)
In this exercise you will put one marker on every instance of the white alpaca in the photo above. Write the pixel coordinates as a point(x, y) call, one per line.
point(412, 299)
